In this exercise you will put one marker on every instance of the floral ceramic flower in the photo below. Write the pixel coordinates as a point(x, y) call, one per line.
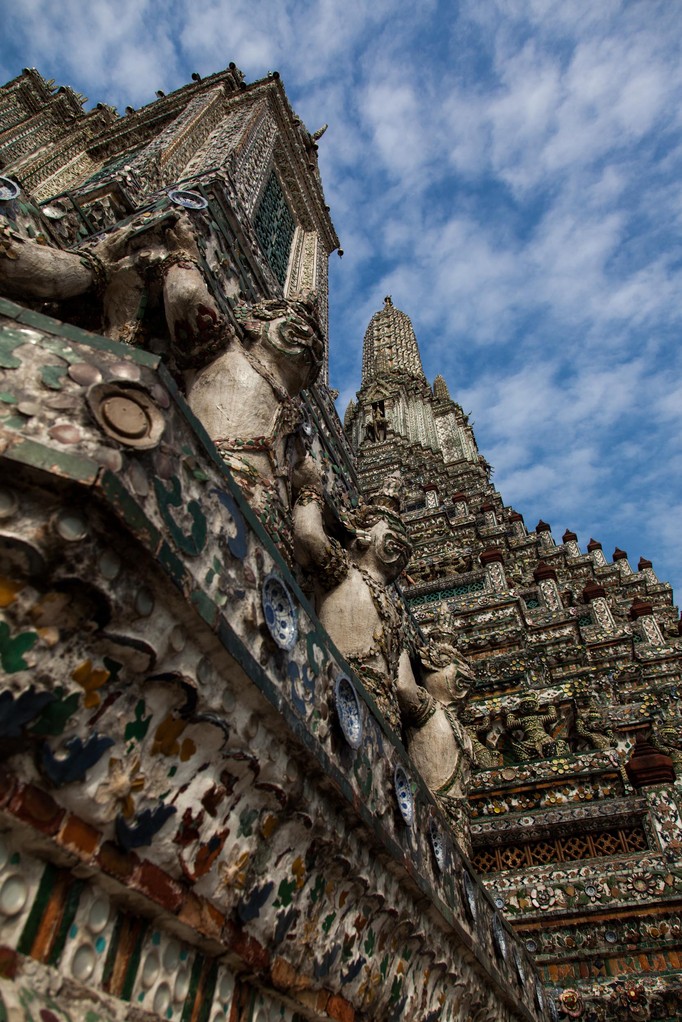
point(117, 791)
point(571, 1003)
point(541, 898)
point(641, 883)
point(631, 997)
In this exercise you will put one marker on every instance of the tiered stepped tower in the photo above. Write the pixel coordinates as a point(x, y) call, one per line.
point(576, 827)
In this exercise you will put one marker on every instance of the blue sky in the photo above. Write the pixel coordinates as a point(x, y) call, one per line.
point(510, 172)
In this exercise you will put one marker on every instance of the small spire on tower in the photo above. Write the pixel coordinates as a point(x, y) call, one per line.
point(348, 417)
point(390, 346)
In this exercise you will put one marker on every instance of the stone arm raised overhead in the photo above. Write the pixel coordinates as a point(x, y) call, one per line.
point(197, 329)
point(416, 704)
point(30, 270)
point(312, 546)
point(117, 266)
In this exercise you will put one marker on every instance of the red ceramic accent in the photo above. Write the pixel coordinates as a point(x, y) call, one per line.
point(592, 591)
point(648, 766)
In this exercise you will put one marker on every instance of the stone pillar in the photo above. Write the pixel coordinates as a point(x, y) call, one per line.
point(646, 568)
point(543, 530)
point(648, 766)
point(495, 577)
point(652, 774)
point(595, 550)
point(461, 504)
point(570, 541)
point(489, 512)
point(431, 494)
point(643, 612)
point(663, 800)
point(620, 558)
point(595, 595)
point(545, 576)
point(517, 524)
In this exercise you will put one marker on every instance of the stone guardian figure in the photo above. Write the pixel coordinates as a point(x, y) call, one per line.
point(354, 602)
point(244, 390)
point(442, 748)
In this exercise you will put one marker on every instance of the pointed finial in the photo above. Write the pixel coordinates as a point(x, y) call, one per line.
point(348, 417)
point(388, 300)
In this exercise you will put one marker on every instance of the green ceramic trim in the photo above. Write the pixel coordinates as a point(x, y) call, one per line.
point(70, 907)
point(27, 317)
point(60, 463)
point(35, 916)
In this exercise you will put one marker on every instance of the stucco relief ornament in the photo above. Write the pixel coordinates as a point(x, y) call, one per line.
point(500, 937)
point(631, 999)
point(470, 899)
point(55, 211)
point(542, 898)
point(527, 730)
point(539, 995)
point(642, 883)
point(519, 965)
point(116, 792)
point(498, 581)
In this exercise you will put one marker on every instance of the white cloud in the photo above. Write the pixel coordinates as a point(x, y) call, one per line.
point(509, 171)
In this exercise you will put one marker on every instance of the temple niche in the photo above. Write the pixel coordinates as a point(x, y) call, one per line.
point(216, 799)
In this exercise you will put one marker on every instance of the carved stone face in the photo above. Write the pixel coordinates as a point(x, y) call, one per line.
point(294, 336)
point(446, 684)
point(391, 547)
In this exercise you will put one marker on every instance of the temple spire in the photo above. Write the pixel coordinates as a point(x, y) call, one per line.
point(390, 346)
point(440, 389)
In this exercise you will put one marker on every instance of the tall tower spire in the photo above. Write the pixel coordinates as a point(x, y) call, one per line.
point(390, 346)
point(396, 408)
